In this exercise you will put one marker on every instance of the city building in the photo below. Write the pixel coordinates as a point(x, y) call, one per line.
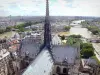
point(4, 57)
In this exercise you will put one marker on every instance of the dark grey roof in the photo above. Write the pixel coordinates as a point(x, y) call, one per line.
point(31, 48)
point(91, 61)
point(60, 53)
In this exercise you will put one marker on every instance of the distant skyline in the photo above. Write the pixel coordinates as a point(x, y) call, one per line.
point(57, 7)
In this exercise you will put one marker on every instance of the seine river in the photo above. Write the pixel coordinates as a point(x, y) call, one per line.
point(77, 29)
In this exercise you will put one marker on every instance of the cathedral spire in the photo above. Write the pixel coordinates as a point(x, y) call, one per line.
point(47, 9)
point(47, 28)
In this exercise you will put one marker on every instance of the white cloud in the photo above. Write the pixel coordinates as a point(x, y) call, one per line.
point(77, 8)
point(57, 7)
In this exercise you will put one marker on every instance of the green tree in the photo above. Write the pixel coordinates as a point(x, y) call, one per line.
point(86, 53)
point(86, 45)
point(21, 29)
point(28, 24)
point(75, 36)
point(87, 50)
point(72, 41)
point(95, 30)
point(63, 37)
point(8, 29)
point(2, 31)
point(67, 28)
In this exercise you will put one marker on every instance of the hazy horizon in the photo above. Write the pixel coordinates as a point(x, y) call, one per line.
point(50, 16)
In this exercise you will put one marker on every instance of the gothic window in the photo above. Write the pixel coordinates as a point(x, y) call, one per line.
point(58, 70)
point(64, 70)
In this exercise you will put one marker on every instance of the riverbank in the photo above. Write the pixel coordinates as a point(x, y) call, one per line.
point(84, 32)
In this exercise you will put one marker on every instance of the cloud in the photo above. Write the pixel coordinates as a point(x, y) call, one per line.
point(76, 8)
point(57, 7)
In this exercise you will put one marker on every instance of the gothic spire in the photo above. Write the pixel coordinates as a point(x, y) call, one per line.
point(47, 28)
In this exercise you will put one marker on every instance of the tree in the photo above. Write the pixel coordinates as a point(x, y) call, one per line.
point(8, 29)
point(85, 23)
point(95, 30)
point(28, 24)
point(2, 31)
point(63, 37)
point(75, 36)
point(71, 40)
point(86, 53)
point(67, 28)
point(87, 50)
point(21, 29)
point(86, 45)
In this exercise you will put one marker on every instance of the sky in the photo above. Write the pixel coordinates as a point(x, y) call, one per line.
point(57, 7)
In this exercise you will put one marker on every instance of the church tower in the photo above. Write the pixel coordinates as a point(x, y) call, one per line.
point(47, 29)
